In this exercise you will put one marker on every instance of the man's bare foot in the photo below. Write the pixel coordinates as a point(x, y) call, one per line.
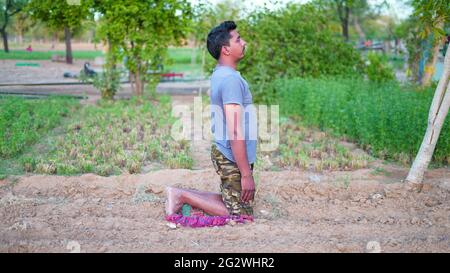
point(173, 202)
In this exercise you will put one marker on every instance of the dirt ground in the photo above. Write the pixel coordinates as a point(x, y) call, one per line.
point(47, 71)
point(296, 211)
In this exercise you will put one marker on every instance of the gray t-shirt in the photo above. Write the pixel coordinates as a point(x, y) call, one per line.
point(228, 87)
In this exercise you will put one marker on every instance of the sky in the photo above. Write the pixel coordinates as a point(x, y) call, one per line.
point(397, 8)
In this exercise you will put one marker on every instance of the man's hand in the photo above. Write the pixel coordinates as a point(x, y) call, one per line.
point(248, 188)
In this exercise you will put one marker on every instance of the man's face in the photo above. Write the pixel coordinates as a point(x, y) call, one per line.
point(236, 50)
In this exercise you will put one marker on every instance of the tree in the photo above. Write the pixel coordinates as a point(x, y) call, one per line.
point(140, 32)
point(295, 41)
point(62, 15)
point(343, 10)
point(400, 31)
point(351, 9)
point(433, 15)
point(8, 8)
point(409, 31)
point(351, 12)
point(22, 23)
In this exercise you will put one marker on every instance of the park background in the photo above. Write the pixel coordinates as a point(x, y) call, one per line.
point(87, 90)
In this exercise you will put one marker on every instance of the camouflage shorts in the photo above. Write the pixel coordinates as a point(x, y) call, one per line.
point(230, 186)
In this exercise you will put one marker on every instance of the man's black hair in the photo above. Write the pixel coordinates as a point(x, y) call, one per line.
point(219, 36)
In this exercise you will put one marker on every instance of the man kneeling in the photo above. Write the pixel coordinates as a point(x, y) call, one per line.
point(233, 151)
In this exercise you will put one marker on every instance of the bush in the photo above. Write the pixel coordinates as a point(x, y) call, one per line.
point(386, 119)
point(378, 68)
point(107, 82)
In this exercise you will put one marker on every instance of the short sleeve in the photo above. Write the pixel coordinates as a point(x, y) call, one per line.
point(232, 90)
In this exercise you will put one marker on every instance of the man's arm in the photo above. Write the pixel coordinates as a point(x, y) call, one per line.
point(233, 117)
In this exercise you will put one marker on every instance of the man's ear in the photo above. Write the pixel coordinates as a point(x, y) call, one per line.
point(226, 50)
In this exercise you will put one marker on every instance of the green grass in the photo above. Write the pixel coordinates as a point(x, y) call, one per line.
point(183, 55)
point(111, 138)
point(387, 120)
point(180, 61)
point(46, 55)
point(23, 122)
point(177, 55)
point(188, 70)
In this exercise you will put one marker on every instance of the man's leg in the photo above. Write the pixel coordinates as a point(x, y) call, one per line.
point(230, 186)
point(209, 202)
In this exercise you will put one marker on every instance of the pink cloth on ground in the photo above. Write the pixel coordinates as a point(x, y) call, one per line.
point(206, 221)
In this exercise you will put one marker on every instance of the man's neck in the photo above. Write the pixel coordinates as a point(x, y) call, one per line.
point(228, 63)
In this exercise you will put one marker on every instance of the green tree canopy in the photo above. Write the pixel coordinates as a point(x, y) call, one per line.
point(9, 8)
point(62, 15)
point(141, 31)
point(433, 15)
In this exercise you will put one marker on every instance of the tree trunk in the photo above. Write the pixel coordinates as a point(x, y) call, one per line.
point(345, 30)
point(436, 117)
point(131, 79)
point(386, 46)
point(345, 24)
point(359, 30)
point(20, 37)
point(19, 27)
point(397, 46)
point(344, 15)
point(5, 41)
point(431, 64)
point(68, 37)
point(413, 63)
point(19, 31)
point(54, 40)
point(139, 84)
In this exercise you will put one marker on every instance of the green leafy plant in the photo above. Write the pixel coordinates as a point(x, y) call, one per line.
point(107, 82)
point(378, 68)
point(23, 122)
point(385, 119)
